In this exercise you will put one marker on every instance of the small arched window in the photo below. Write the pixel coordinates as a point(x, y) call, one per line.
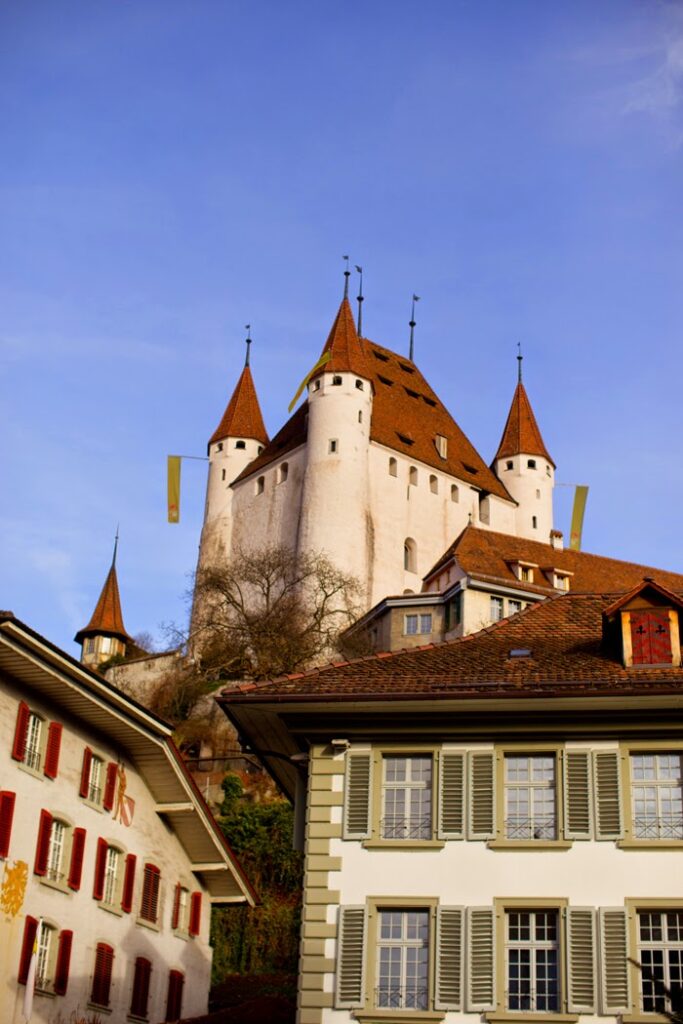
point(336, 381)
point(531, 463)
point(455, 492)
point(359, 385)
point(219, 446)
point(241, 444)
point(509, 464)
point(260, 449)
point(222, 474)
point(534, 522)
point(283, 472)
point(433, 484)
point(260, 484)
point(412, 476)
point(360, 416)
point(393, 467)
point(316, 384)
point(410, 555)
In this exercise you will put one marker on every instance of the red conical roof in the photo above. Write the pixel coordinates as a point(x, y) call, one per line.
point(347, 350)
point(107, 618)
point(242, 418)
point(521, 434)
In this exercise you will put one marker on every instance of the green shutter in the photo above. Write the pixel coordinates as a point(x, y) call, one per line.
point(482, 796)
point(581, 960)
point(449, 935)
point(614, 961)
point(357, 800)
point(350, 988)
point(481, 958)
point(607, 795)
point(577, 794)
point(452, 796)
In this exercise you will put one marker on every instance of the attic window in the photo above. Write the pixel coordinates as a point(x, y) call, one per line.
point(359, 385)
point(404, 438)
point(520, 652)
point(336, 381)
point(380, 356)
point(240, 444)
point(509, 464)
point(385, 380)
point(560, 581)
point(469, 469)
point(316, 384)
point(413, 394)
point(429, 401)
point(407, 368)
point(651, 636)
point(441, 445)
point(531, 463)
point(219, 446)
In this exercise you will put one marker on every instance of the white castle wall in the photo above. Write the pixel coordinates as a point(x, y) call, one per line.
point(532, 488)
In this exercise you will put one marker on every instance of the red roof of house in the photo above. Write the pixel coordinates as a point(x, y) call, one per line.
point(242, 417)
point(407, 415)
point(107, 618)
point(521, 433)
point(553, 647)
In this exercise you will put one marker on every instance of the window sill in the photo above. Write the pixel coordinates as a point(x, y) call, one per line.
point(59, 886)
point(35, 772)
point(403, 844)
point(642, 1017)
point(92, 804)
point(530, 844)
point(152, 925)
point(509, 1016)
point(180, 934)
point(650, 844)
point(405, 1016)
point(110, 908)
point(99, 1008)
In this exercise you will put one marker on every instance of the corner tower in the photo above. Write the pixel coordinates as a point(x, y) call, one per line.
point(105, 635)
point(237, 440)
point(523, 464)
point(335, 507)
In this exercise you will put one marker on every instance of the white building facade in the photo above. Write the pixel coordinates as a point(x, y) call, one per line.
point(110, 859)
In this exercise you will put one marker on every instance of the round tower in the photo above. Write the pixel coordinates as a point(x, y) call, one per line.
point(105, 635)
point(335, 506)
point(523, 464)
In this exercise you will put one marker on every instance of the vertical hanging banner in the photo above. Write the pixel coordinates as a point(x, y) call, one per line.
point(174, 488)
point(580, 496)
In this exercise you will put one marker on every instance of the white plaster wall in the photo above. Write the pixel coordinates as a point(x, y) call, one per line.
point(148, 838)
point(533, 490)
point(271, 517)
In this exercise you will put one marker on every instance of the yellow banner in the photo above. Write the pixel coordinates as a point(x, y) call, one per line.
point(174, 488)
point(325, 358)
point(580, 496)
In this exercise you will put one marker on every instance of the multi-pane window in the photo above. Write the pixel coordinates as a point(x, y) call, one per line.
point(111, 874)
point(55, 852)
point(530, 796)
point(514, 607)
point(660, 947)
point(407, 797)
point(415, 624)
point(33, 739)
point(657, 788)
point(46, 935)
point(532, 961)
point(403, 959)
point(95, 779)
point(496, 609)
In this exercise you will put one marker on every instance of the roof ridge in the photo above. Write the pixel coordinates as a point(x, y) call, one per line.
point(242, 416)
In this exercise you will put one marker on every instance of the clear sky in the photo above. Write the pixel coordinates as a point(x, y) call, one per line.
point(172, 170)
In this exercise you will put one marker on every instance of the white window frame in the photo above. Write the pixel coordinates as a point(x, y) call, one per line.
point(407, 803)
point(536, 948)
point(535, 789)
point(404, 952)
point(35, 741)
point(657, 792)
point(112, 876)
point(496, 608)
point(45, 962)
point(95, 780)
point(667, 949)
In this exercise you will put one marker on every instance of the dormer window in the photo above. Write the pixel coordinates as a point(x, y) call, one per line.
point(442, 446)
point(560, 581)
point(524, 571)
point(645, 624)
point(650, 636)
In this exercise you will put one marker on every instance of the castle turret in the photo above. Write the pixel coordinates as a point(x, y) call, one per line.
point(523, 464)
point(237, 440)
point(336, 477)
point(105, 635)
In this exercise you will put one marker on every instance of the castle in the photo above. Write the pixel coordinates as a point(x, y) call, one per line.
point(371, 469)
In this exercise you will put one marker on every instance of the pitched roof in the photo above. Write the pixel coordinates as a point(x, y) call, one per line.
point(347, 351)
point(107, 617)
point(521, 433)
point(242, 417)
point(407, 416)
point(557, 644)
point(491, 556)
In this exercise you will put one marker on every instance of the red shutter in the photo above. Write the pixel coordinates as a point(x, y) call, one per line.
point(20, 730)
point(651, 637)
point(150, 893)
point(54, 742)
point(6, 814)
point(143, 969)
point(110, 786)
point(128, 883)
point(195, 913)
point(174, 1000)
point(101, 982)
point(100, 864)
point(63, 961)
point(85, 771)
point(76, 866)
point(176, 906)
point(43, 843)
point(30, 929)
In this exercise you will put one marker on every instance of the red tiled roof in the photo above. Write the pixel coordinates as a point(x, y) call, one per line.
point(563, 638)
point(242, 417)
point(521, 433)
point(406, 414)
point(491, 556)
point(347, 351)
point(107, 617)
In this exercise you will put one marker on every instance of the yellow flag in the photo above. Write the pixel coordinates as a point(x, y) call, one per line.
point(174, 488)
point(325, 358)
point(580, 495)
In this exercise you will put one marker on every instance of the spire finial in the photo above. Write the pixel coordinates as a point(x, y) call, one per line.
point(519, 362)
point(247, 328)
point(347, 275)
point(360, 303)
point(416, 298)
point(116, 547)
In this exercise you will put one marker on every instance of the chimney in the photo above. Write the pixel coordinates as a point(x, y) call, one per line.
point(557, 540)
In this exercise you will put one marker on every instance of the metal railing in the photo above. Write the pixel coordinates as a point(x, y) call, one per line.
point(401, 997)
point(650, 826)
point(532, 1000)
point(399, 827)
point(538, 827)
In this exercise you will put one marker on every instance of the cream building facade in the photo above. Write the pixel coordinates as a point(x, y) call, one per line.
point(110, 860)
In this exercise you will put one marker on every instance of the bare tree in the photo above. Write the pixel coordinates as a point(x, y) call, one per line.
point(269, 612)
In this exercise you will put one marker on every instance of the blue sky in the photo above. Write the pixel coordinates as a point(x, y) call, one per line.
point(172, 171)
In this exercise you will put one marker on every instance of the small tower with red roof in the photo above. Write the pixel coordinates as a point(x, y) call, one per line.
point(238, 439)
point(523, 464)
point(105, 635)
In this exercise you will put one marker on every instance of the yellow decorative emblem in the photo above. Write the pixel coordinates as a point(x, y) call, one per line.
point(13, 887)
